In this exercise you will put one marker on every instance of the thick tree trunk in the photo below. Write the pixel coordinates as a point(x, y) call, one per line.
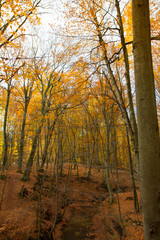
point(148, 131)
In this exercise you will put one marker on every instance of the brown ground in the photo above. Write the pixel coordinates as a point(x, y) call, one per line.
point(88, 212)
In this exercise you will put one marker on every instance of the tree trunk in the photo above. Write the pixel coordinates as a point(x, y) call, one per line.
point(22, 140)
point(5, 146)
point(114, 142)
point(148, 131)
point(47, 143)
point(91, 158)
point(136, 203)
point(134, 135)
point(31, 156)
point(107, 154)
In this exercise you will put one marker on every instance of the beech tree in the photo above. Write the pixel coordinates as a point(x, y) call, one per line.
point(148, 130)
point(104, 27)
point(46, 80)
point(9, 74)
point(27, 90)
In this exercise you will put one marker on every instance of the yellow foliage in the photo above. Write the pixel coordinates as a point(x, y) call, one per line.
point(13, 15)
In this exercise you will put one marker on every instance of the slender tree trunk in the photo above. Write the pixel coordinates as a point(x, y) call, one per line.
point(47, 144)
point(31, 156)
point(60, 145)
point(38, 157)
point(97, 152)
point(5, 146)
point(134, 135)
point(115, 151)
point(136, 203)
point(56, 200)
point(27, 97)
point(107, 155)
point(88, 150)
point(22, 140)
point(60, 151)
point(73, 144)
point(111, 81)
point(91, 154)
point(91, 159)
point(148, 131)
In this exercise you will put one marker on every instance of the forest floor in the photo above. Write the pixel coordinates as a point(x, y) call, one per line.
point(83, 208)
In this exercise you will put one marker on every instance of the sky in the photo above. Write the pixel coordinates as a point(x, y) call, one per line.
point(52, 20)
point(51, 14)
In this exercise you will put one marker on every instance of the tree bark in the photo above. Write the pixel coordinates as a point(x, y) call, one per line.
point(136, 203)
point(47, 143)
point(27, 97)
point(134, 136)
point(31, 156)
point(5, 146)
point(22, 140)
point(148, 131)
point(111, 81)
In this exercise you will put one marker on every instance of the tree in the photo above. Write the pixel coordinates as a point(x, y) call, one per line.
point(26, 94)
point(148, 130)
point(13, 15)
point(10, 72)
point(101, 23)
point(46, 82)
